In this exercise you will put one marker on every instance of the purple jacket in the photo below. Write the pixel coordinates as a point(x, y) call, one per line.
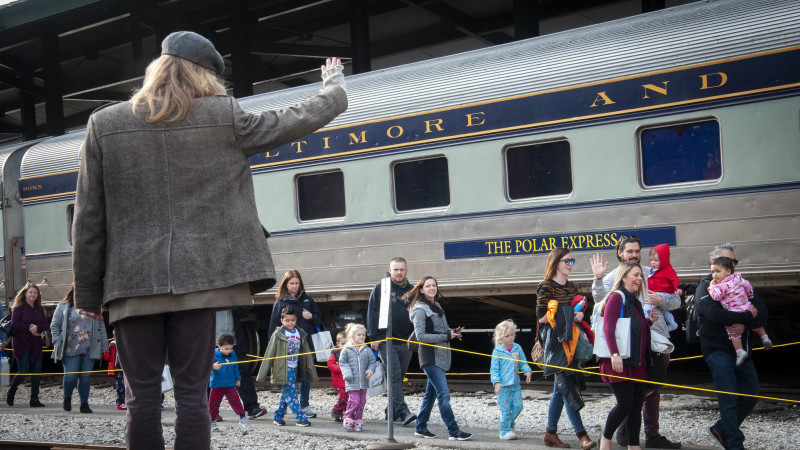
point(22, 341)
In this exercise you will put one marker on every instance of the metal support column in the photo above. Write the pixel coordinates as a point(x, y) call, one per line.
point(28, 110)
point(526, 19)
point(359, 36)
point(54, 103)
point(240, 53)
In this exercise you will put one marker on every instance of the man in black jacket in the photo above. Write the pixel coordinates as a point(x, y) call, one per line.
point(401, 328)
point(720, 356)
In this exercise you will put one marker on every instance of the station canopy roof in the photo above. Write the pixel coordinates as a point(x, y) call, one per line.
point(61, 59)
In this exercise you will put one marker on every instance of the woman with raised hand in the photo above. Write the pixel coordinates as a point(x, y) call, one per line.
point(430, 327)
point(78, 342)
point(623, 301)
point(29, 322)
point(557, 318)
point(166, 230)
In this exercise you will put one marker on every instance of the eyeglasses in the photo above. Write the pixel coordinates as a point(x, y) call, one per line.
point(569, 261)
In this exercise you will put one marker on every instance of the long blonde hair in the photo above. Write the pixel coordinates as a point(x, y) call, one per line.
point(19, 300)
point(623, 270)
point(170, 85)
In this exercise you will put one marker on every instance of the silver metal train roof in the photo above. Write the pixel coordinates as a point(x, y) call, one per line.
point(681, 36)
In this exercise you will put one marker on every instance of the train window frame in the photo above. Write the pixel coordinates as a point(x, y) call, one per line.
point(393, 186)
point(296, 189)
point(640, 176)
point(507, 180)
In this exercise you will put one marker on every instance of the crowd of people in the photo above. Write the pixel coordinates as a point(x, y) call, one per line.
point(175, 280)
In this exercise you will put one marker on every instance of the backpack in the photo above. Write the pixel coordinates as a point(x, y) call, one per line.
point(692, 326)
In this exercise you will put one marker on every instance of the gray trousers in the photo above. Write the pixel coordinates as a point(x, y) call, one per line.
point(401, 356)
point(142, 346)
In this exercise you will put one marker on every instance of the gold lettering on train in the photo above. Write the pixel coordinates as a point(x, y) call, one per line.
point(474, 117)
point(605, 98)
point(435, 123)
point(655, 88)
point(498, 247)
point(277, 152)
point(326, 142)
point(34, 187)
point(299, 146)
point(399, 131)
point(723, 78)
point(354, 139)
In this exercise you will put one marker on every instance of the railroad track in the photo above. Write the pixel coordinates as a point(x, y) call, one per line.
point(16, 445)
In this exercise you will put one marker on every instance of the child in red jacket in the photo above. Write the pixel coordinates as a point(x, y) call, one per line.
point(336, 378)
point(115, 370)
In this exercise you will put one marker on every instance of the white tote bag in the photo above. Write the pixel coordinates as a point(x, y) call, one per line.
point(322, 344)
point(622, 335)
point(166, 380)
point(377, 382)
point(5, 368)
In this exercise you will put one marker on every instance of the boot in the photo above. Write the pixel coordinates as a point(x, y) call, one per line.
point(551, 439)
point(35, 403)
point(12, 391)
point(85, 408)
point(67, 403)
point(585, 441)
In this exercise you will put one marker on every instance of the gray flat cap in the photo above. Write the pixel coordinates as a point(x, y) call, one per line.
point(195, 48)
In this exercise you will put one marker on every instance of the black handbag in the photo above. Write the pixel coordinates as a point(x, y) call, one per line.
point(413, 345)
point(5, 325)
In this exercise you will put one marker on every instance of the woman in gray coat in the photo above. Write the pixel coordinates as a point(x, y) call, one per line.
point(430, 327)
point(166, 229)
point(78, 342)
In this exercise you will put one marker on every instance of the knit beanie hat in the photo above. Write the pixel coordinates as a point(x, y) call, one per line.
point(195, 48)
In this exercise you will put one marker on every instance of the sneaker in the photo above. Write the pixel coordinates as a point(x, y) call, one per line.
point(767, 343)
point(510, 436)
point(303, 423)
point(461, 436)
point(279, 422)
point(256, 413)
point(717, 437)
point(337, 417)
point(122, 407)
point(218, 419)
point(741, 358)
point(245, 424)
point(35, 403)
point(214, 426)
point(308, 412)
point(425, 434)
point(407, 418)
point(661, 442)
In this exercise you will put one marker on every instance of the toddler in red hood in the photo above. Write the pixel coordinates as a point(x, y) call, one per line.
point(663, 279)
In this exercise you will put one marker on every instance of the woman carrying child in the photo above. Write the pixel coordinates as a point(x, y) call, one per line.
point(558, 319)
point(507, 360)
point(734, 293)
point(430, 327)
point(358, 364)
point(288, 360)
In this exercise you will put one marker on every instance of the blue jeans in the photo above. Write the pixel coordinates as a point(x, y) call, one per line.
point(24, 366)
point(305, 392)
point(554, 412)
point(733, 409)
point(77, 363)
point(436, 390)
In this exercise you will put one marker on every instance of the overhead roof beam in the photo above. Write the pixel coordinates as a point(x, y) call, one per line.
point(450, 16)
point(302, 50)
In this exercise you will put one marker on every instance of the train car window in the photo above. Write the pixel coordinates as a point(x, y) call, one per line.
point(680, 153)
point(70, 217)
point(538, 170)
point(421, 184)
point(320, 196)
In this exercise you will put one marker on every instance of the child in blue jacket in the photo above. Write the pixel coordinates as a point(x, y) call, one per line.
point(225, 378)
point(507, 360)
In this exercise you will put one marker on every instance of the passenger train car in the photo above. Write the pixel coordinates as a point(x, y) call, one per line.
point(681, 126)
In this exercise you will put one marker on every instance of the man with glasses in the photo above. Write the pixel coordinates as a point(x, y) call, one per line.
point(721, 357)
point(629, 250)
